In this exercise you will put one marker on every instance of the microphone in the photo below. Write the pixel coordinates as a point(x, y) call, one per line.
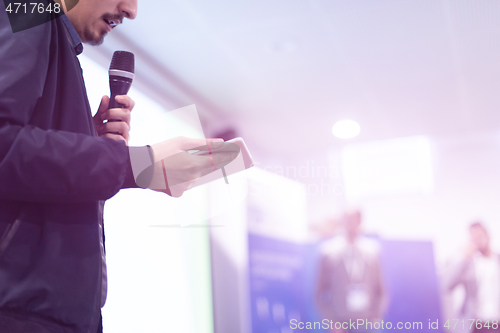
point(121, 74)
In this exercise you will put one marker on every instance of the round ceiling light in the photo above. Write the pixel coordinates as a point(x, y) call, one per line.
point(346, 129)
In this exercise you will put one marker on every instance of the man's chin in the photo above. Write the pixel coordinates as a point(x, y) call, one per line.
point(96, 42)
point(95, 39)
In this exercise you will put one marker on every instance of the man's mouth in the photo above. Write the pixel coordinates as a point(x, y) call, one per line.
point(111, 23)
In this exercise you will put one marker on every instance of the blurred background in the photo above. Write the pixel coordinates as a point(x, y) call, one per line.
point(419, 162)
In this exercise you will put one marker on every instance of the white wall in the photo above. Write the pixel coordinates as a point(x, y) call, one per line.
point(159, 276)
point(466, 183)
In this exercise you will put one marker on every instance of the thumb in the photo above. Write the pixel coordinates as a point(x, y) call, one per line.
point(103, 107)
point(191, 143)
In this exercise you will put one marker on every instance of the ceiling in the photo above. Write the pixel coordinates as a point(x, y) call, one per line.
point(282, 72)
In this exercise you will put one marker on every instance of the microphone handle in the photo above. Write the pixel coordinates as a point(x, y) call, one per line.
point(118, 86)
point(113, 103)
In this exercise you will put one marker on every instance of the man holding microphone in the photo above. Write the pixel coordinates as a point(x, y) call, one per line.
point(58, 165)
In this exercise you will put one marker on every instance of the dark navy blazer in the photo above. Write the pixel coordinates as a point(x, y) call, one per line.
point(54, 174)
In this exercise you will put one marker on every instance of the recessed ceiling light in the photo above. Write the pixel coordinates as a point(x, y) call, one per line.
point(346, 129)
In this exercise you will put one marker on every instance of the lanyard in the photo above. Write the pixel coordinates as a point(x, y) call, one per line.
point(354, 263)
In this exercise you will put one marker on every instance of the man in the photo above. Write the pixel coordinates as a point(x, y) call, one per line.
point(479, 272)
point(349, 284)
point(58, 165)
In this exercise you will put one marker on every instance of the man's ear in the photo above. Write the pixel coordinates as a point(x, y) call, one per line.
point(62, 4)
point(70, 4)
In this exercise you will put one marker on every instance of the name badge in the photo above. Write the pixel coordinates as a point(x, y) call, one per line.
point(357, 298)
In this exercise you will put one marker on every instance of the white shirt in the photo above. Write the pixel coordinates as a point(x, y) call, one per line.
point(487, 271)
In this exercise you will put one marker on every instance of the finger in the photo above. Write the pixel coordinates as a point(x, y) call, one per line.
point(116, 115)
point(103, 106)
point(211, 145)
point(115, 137)
point(181, 168)
point(223, 158)
point(176, 145)
point(178, 189)
point(115, 127)
point(126, 101)
point(176, 192)
point(198, 166)
point(191, 144)
point(215, 142)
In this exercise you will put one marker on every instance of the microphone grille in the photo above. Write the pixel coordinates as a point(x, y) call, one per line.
point(123, 61)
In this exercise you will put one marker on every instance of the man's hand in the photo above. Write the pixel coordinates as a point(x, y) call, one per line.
point(176, 170)
point(114, 123)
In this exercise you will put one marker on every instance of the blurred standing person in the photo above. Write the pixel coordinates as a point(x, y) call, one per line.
point(479, 272)
point(349, 284)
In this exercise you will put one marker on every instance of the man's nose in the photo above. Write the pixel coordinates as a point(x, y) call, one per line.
point(128, 8)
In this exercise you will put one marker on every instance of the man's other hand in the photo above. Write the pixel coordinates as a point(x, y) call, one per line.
point(114, 123)
point(176, 170)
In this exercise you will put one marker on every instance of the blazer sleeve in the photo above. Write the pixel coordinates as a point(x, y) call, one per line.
point(39, 165)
